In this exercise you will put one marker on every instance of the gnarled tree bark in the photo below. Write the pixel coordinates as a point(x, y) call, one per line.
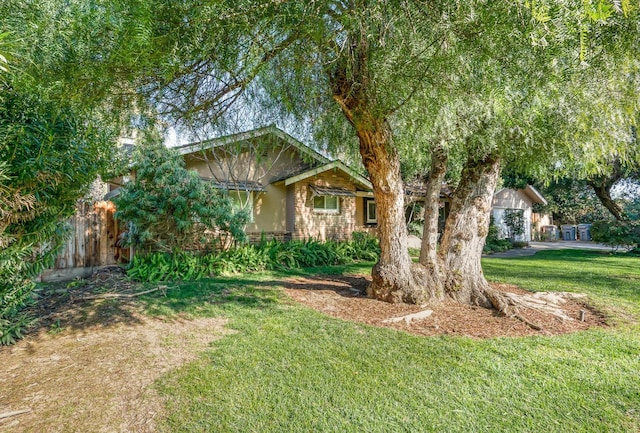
point(602, 187)
point(395, 277)
point(465, 232)
point(428, 250)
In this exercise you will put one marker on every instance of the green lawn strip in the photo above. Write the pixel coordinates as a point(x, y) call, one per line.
point(611, 280)
point(289, 368)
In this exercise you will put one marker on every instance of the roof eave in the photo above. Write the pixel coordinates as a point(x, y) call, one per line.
point(362, 181)
point(247, 135)
point(535, 195)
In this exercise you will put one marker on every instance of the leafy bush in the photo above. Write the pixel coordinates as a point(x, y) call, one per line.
point(493, 243)
point(49, 155)
point(416, 228)
point(170, 208)
point(163, 266)
point(624, 234)
point(514, 220)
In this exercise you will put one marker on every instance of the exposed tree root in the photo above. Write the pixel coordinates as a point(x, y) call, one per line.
point(528, 322)
point(14, 413)
point(409, 317)
point(510, 305)
point(418, 286)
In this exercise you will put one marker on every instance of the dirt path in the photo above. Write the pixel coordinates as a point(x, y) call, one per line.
point(99, 378)
point(92, 366)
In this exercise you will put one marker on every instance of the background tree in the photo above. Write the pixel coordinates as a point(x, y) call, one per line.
point(50, 155)
point(57, 133)
point(350, 68)
point(353, 68)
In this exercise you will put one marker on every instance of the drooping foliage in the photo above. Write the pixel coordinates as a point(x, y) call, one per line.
point(617, 234)
point(170, 208)
point(484, 85)
point(51, 154)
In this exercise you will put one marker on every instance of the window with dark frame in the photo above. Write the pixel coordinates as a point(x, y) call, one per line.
point(371, 216)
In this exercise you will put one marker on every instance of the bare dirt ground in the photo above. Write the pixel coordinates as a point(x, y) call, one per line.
point(344, 297)
point(92, 365)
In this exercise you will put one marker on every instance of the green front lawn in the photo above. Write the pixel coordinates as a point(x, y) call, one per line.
point(291, 369)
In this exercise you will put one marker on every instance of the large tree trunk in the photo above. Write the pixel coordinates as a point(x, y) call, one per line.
point(466, 231)
point(395, 277)
point(602, 187)
point(428, 250)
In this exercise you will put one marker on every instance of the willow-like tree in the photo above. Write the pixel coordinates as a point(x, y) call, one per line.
point(359, 63)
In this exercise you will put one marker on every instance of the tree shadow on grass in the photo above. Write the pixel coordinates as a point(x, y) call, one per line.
point(210, 297)
point(60, 311)
point(344, 285)
point(64, 305)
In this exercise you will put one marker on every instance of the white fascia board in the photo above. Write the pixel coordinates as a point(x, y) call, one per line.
point(536, 195)
point(247, 135)
point(332, 165)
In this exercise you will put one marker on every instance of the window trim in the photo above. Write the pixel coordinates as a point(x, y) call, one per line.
point(368, 218)
point(324, 209)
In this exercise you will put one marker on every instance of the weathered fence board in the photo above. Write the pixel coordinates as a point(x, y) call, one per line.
point(93, 242)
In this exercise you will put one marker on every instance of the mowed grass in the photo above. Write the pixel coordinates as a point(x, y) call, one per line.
point(290, 369)
point(611, 280)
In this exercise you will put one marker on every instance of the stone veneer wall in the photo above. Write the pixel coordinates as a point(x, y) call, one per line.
point(320, 225)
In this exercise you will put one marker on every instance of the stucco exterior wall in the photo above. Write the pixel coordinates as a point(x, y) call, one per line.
point(272, 165)
point(360, 220)
point(511, 199)
point(249, 165)
point(269, 210)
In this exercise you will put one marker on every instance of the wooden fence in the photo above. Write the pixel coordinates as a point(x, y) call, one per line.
point(93, 243)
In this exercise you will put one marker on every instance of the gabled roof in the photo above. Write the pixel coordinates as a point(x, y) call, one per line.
point(534, 195)
point(529, 191)
point(418, 189)
point(322, 163)
point(334, 165)
point(248, 135)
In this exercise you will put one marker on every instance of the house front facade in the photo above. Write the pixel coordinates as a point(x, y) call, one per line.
point(290, 190)
point(293, 192)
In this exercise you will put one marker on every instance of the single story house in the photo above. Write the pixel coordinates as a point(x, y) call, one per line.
point(291, 190)
point(294, 192)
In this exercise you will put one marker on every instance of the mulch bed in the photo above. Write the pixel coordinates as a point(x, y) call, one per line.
point(344, 297)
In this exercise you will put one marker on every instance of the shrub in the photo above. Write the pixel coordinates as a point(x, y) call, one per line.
point(268, 255)
point(170, 208)
point(625, 234)
point(514, 220)
point(50, 152)
point(493, 243)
